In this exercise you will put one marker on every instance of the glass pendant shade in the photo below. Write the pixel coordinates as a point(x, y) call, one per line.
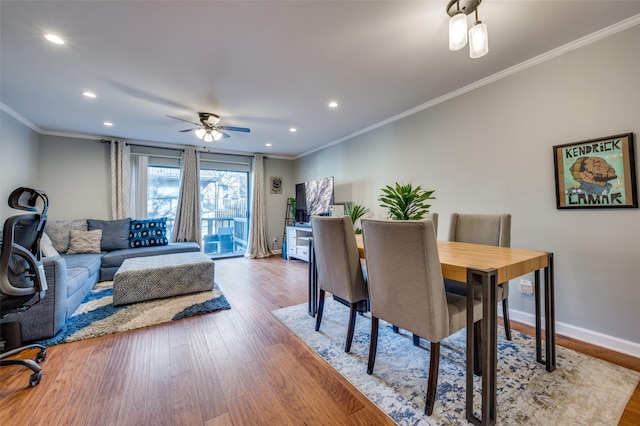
point(478, 40)
point(216, 135)
point(200, 133)
point(457, 31)
point(208, 137)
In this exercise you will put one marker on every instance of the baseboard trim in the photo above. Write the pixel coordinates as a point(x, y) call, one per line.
point(589, 336)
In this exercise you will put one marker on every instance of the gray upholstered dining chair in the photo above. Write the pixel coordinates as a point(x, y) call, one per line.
point(488, 229)
point(339, 269)
point(406, 288)
point(434, 219)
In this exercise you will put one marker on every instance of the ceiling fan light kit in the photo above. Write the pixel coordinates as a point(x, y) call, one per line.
point(208, 129)
point(478, 36)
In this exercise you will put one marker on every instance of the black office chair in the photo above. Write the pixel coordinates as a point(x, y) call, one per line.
point(22, 278)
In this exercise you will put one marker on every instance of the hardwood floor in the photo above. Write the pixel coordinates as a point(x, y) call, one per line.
point(235, 367)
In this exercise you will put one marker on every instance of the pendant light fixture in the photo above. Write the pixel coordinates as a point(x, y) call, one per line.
point(478, 36)
point(458, 30)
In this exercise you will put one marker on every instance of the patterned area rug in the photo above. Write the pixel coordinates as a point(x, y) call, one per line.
point(97, 316)
point(581, 391)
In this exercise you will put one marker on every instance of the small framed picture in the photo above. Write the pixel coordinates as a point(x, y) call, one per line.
point(276, 185)
point(597, 173)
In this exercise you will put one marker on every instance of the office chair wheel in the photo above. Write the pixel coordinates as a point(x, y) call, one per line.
point(35, 378)
point(41, 356)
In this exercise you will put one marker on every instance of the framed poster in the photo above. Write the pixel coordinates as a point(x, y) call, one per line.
point(596, 173)
point(276, 185)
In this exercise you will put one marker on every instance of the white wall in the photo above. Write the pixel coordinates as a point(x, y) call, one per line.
point(18, 161)
point(490, 151)
point(277, 203)
point(76, 175)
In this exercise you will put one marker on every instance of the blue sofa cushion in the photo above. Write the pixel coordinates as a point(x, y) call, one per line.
point(79, 268)
point(148, 232)
point(115, 233)
point(115, 258)
point(89, 261)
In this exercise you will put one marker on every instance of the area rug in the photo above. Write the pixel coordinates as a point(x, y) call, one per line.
point(581, 391)
point(97, 316)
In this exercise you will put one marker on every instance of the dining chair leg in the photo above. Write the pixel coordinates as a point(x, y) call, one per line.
point(320, 309)
point(416, 340)
point(373, 344)
point(432, 385)
point(352, 325)
point(477, 340)
point(505, 318)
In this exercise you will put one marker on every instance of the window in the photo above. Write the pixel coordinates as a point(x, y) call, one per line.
point(163, 188)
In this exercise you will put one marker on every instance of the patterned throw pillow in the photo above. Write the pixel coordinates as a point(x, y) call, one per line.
point(148, 232)
point(46, 246)
point(84, 241)
point(58, 231)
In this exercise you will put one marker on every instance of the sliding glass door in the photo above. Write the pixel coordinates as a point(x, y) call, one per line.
point(225, 212)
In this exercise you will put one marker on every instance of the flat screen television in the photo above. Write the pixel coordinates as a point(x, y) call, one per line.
point(313, 198)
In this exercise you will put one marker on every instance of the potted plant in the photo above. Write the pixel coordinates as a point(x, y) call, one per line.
point(292, 205)
point(355, 212)
point(406, 202)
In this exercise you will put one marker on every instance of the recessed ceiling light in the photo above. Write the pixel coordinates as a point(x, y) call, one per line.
point(89, 94)
point(108, 123)
point(333, 104)
point(54, 39)
point(293, 129)
point(268, 144)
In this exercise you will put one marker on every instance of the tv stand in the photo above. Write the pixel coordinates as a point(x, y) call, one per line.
point(298, 242)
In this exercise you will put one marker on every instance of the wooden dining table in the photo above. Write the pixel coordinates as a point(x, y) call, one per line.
point(488, 266)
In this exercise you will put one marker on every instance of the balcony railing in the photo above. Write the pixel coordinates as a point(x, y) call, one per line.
point(224, 230)
point(224, 236)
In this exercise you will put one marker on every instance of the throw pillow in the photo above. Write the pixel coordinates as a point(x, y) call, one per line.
point(46, 246)
point(84, 241)
point(58, 231)
point(115, 233)
point(148, 232)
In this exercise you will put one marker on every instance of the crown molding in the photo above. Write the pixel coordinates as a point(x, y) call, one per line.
point(20, 118)
point(576, 44)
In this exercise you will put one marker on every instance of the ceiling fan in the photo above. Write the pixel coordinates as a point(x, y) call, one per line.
point(208, 129)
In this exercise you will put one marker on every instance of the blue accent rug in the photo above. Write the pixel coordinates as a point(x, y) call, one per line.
point(581, 391)
point(97, 316)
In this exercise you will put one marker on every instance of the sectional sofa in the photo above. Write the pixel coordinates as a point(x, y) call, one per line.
point(79, 253)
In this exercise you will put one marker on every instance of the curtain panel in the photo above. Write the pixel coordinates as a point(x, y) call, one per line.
point(187, 226)
point(120, 179)
point(258, 244)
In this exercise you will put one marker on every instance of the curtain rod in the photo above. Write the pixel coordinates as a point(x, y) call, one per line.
point(175, 147)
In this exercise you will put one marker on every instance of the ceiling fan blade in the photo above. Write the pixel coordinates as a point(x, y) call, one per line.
point(182, 119)
point(187, 130)
point(236, 129)
point(224, 135)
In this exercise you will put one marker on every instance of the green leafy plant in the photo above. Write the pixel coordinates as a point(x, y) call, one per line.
point(292, 204)
point(355, 212)
point(406, 202)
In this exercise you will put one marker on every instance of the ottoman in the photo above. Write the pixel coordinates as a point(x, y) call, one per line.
point(166, 275)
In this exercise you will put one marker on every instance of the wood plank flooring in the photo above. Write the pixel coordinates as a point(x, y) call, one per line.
point(235, 367)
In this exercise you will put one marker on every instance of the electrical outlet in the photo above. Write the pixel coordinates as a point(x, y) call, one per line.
point(526, 287)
